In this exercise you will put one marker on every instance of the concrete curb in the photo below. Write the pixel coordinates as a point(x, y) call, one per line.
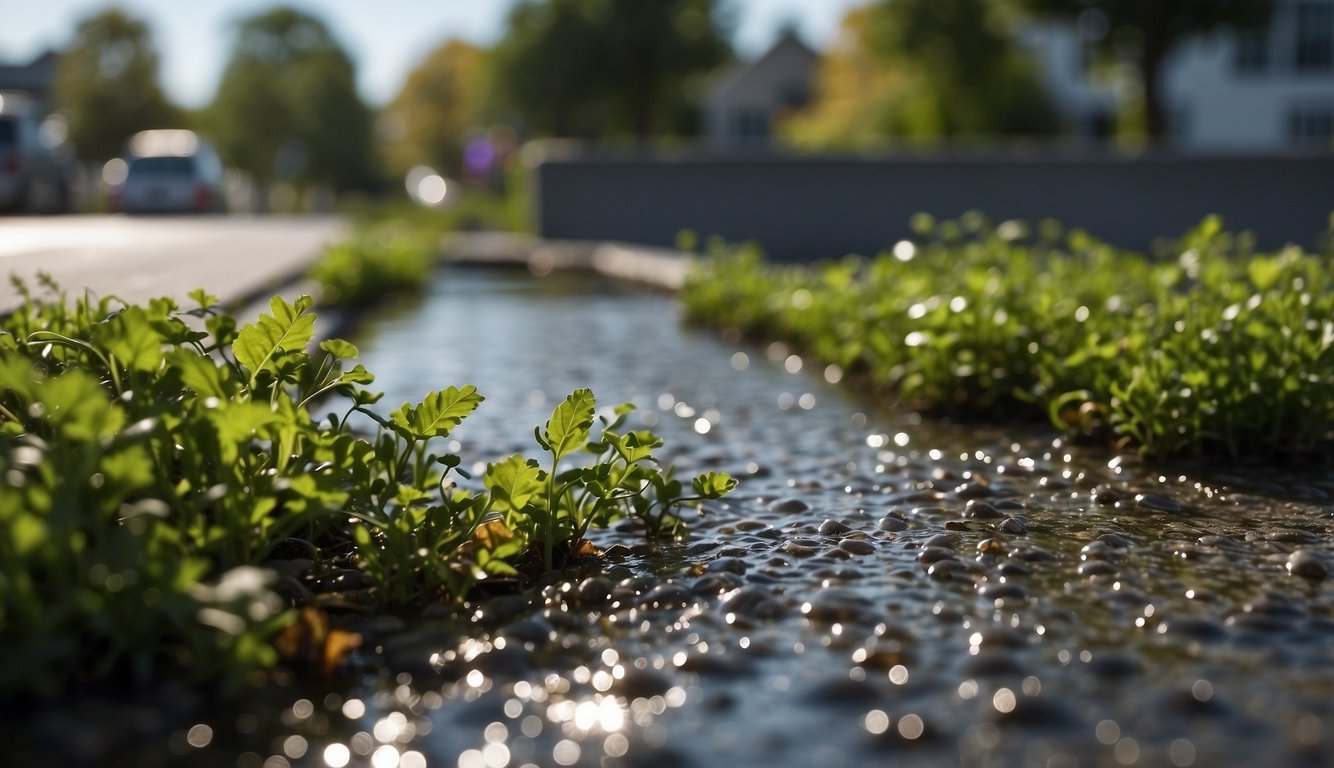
point(659, 268)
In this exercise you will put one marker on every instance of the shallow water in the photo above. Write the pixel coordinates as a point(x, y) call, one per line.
point(882, 589)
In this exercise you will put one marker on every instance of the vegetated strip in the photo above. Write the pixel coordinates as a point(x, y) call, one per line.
point(151, 467)
point(1218, 350)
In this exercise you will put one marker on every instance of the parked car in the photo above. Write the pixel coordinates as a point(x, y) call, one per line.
point(34, 175)
point(166, 171)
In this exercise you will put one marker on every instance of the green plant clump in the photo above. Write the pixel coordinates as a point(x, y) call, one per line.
point(1220, 350)
point(379, 260)
point(154, 458)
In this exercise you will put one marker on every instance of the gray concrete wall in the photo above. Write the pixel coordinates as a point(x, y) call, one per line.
point(803, 208)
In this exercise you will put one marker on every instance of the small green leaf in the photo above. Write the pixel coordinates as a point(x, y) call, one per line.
point(437, 414)
point(339, 349)
point(567, 430)
point(713, 485)
point(288, 328)
point(513, 482)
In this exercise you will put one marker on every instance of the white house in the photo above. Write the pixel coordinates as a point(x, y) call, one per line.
point(740, 109)
point(1260, 90)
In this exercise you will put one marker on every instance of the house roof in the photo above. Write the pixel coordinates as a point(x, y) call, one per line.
point(737, 76)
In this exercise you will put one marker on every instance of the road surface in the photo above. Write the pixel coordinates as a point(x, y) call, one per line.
point(236, 258)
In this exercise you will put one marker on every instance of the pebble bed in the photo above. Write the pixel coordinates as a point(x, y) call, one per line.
point(881, 589)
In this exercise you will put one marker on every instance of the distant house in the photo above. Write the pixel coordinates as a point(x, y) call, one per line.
point(741, 108)
point(34, 80)
point(1269, 89)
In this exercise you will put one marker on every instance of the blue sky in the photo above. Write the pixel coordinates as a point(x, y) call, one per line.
point(385, 37)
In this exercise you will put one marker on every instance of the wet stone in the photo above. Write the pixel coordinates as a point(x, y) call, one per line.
point(788, 506)
point(947, 570)
point(993, 664)
point(974, 491)
point(752, 525)
point(1015, 526)
point(892, 523)
point(1106, 495)
point(503, 609)
point(594, 590)
point(534, 629)
point(934, 555)
point(642, 683)
point(727, 564)
point(1116, 540)
point(1292, 536)
point(957, 525)
point(1096, 568)
point(1002, 591)
point(799, 548)
point(941, 540)
point(1195, 628)
point(716, 583)
point(982, 510)
point(1307, 565)
point(838, 605)
point(856, 547)
point(667, 596)
point(842, 692)
point(754, 603)
point(834, 528)
point(1096, 550)
point(1156, 503)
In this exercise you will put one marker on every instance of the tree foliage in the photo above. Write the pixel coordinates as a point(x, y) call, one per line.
point(107, 84)
point(595, 68)
point(287, 108)
point(923, 70)
point(441, 102)
point(1147, 31)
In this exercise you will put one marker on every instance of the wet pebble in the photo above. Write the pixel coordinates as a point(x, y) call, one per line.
point(1156, 503)
point(1306, 564)
point(788, 506)
point(1015, 526)
point(716, 583)
point(1195, 628)
point(837, 605)
point(834, 528)
point(1002, 591)
point(842, 691)
point(727, 564)
point(669, 595)
point(1096, 568)
point(982, 510)
point(892, 523)
point(935, 554)
point(642, 683)
point(754, 603)
point(856, 547)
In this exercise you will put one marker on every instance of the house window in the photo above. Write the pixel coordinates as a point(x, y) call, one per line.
point(1252, 52)
point(793, 94)
point(1315, 36)
point(750, 124)
point(1311, 125)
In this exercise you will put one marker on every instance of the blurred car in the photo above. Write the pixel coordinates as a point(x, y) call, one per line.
point(34, 176)
point(166, 171)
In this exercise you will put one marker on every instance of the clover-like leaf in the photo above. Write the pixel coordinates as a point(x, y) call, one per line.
point(513, 482)
point(289, 327)
point(713, 485)
point(567, 430)
point(437, 414)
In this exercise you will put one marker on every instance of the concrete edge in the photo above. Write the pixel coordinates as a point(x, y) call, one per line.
point(663, 269)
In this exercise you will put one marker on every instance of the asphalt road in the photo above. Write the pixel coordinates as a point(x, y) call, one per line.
point(236, 258)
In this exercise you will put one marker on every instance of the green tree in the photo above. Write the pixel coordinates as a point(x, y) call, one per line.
point(441, 102)
point(107, 84)
point(925, 70)
point(596, 68)
point(1147, 31)
point(287, 107)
